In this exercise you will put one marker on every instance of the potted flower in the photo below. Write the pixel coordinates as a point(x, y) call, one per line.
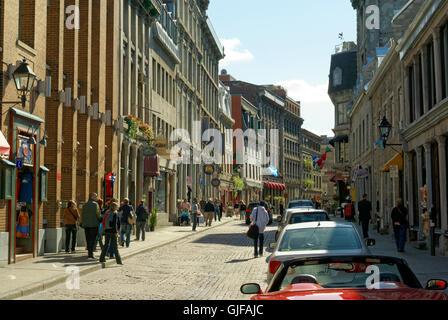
point(153, 219)
point(133, 126)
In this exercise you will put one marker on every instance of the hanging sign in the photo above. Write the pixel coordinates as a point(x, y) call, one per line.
point(24, 150)
point(216, 182)
point(209, 169)
point(19, 163)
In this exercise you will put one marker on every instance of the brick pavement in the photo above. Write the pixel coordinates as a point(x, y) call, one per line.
point(210, 265)
point(35, 275)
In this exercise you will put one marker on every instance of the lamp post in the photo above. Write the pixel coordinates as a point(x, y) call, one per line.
point(24, 78)
point(385, 127)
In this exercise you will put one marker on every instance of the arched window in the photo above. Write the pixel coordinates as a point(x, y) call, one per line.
point(337, 77)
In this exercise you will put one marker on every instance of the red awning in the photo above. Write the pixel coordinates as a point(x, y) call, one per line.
point(4, 145)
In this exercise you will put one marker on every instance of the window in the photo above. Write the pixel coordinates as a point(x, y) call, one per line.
point(411, 94)
point(27, 10)
point(431, 76)
point(337, 77)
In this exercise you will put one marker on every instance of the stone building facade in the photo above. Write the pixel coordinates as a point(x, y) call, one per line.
point(311, 186)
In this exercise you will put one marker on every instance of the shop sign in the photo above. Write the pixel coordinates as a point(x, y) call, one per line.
point(24, 151)
point(394, 171)
point(19, 163)
point(209, 169)
point(216, 182)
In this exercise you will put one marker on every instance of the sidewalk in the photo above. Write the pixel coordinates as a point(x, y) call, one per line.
point(421, 262)
point(34, 275)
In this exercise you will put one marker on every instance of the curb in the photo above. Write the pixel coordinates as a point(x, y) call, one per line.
point(46, 284)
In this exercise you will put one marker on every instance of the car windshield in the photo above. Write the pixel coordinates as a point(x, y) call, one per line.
point(308, 217)
point(300, 204)
point(320, 238)
point(344, 275)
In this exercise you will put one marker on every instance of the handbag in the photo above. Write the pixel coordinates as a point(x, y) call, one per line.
point(76, 219)
point(253, 229)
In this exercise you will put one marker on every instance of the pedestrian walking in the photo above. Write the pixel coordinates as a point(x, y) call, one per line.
point(99, 238)
point(216, 204)
point(90, 218)
point(282, 208)
point(349, 211)
point(71, 219)
point(209, 211)
point(364, 209)
point(236, 209)
point(400, 223)
point(260, 217)
point(107, 208)
point(221, 210)
point(185, 213)
point(142, 218)
point(126, 216)
point(111, 225)
point(242, 210)
point(195, 210)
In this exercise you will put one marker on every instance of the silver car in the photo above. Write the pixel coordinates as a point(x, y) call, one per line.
point(316, 238)
point(300, 215)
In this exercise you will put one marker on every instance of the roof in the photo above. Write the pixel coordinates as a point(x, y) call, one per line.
point(323, 224)
point(347, 62)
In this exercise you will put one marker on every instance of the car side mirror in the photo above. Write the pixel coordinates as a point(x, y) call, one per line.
point(370, 242)
point(279, 219)
point(251, 288)
point(436, 284)
point(272, 245)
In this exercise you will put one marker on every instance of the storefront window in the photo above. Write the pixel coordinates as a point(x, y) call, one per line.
point(161, 192)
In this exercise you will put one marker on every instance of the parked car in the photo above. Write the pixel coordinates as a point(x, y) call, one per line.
point(300, 215)
point(348, 277)
point(303, 203)
point(316, 238)
point(253, 205)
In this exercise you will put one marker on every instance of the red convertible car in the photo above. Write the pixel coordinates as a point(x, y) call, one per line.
point(347, 278)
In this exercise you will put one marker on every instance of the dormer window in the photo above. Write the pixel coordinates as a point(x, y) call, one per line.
point(337, 77)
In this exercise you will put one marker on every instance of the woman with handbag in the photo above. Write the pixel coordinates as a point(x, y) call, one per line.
point(71, 219)
point(259, 219)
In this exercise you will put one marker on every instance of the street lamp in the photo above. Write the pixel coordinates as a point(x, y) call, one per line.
point(385, 128)
point(24, 78)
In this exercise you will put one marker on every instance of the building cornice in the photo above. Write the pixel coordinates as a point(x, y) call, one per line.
point(427, 121)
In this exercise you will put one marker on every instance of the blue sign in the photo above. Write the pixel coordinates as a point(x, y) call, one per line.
point(19, 163)
point(202, 181)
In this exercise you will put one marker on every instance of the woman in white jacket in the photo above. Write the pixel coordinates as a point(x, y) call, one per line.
point(259, 217)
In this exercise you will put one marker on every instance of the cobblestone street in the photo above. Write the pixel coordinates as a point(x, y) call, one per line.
point(211, 265)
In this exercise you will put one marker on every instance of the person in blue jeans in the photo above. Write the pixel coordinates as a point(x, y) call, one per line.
point(400, 223)
point(126, 228)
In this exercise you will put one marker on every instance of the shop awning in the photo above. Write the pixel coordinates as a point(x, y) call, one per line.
point(343, 138)
point(337, 177)
point(274, 185)
point(4, 146)
point(397, 160)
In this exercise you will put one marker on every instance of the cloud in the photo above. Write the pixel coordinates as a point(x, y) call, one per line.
point(234, 52)
point(317, 109)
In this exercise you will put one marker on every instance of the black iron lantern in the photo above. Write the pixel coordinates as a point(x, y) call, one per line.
point(24, 78)
point(385, 128)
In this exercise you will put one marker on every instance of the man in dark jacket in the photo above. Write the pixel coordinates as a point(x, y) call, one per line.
point(400, 223)
point(364, 209)
point(142, 217)
point(90, 217)
point(209, 211)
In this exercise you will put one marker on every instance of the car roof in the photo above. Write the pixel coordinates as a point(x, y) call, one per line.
point(308, 210)
point(345, 258)
point(315, 224)
point(297, 200)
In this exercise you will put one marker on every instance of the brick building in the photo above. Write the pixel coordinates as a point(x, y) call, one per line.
point(24, 39)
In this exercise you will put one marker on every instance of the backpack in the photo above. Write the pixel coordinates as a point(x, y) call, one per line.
point(108, 221)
